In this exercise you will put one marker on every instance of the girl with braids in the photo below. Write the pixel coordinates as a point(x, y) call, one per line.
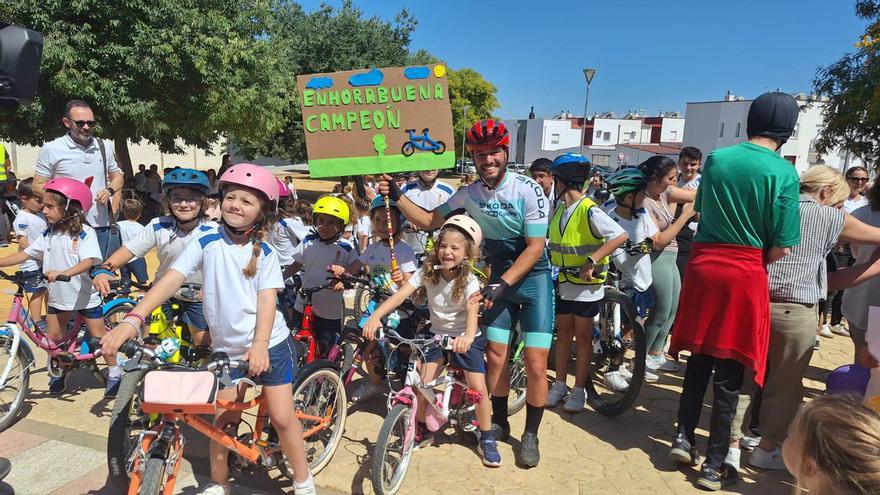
point(449, 282)
point(242, 277)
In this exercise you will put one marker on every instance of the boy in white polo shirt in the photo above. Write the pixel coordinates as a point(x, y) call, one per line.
point(29, 225)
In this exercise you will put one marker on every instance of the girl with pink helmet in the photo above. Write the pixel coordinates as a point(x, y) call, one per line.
point(242, 277)
point(69, 247)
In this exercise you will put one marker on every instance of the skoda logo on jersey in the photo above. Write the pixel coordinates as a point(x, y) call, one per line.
point(495, 209)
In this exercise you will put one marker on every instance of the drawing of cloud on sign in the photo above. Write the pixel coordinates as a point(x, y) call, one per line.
point(372, 78)
point(320, 83)
point(416, 72)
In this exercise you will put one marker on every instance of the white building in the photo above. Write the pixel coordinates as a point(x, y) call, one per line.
point(716, 124)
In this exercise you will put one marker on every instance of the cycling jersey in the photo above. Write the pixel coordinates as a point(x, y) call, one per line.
point(163, 234)
point(426, 198)
point(508, 214)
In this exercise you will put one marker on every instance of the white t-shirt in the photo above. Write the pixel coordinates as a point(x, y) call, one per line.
point(163, 234)
point(364, 227)
point(448, 315)
point(858, 299)
point(286, 235)
point(635, 270)
point(129, 229)
point(377, 256)
point(315, 256)
point(59, 251)
point(230, 298)
point(64, 157)
point(851, 205)
point(602, 226)
point(31, 226)
point(428, 198)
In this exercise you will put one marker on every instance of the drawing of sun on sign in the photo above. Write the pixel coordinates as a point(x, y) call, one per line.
point(365, 121)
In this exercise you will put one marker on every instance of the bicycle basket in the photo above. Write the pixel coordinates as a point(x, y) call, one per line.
point(179, 391)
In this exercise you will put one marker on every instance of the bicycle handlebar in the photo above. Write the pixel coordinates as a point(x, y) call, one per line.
point(18, 277)
point(133, 348)
point(117, 284)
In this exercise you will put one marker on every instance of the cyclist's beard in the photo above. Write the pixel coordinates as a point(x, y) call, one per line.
point(492, 184)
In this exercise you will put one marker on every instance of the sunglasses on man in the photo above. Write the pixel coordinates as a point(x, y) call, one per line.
point(857, 179)
point(81, 123)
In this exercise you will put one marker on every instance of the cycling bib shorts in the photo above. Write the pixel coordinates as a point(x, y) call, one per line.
point(531, 303)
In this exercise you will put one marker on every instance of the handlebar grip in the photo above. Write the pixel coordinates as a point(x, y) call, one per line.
point(62, 278)
point(130, 348)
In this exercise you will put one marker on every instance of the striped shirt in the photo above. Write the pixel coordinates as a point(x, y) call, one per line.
point(802, 276)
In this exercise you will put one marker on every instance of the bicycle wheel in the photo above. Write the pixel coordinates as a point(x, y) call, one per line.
point(408, 148)
point(516, 368)
point(318, 395)
point(154, 477)
point(441, 147)
point(622, 341)
point(17, 381)
point(126, 422)
point(393, 451)
point(362, 297)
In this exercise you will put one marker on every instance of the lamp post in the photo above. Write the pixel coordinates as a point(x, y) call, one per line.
point(463, 137)
point(588, 74)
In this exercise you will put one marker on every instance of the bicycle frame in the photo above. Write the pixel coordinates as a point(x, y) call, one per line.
point(18, 315)
point(13, 330)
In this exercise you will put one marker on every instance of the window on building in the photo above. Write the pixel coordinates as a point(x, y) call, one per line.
point(632, 134)
point(738, 127)
point(606, 136)
point(795, 133)
point(721, 132)
point(598, 134)
point(554, 139)
point(600, 160)
point(673, 135)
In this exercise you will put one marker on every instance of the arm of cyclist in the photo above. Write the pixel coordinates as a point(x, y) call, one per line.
point(81, 267)
point(14, 259)
point(662, 239)
point(162, 290)
point(463, 343)
point(258, 354)
point(101, 281)
point(375, 321)
point(521, 266)
point(291, 270)
point(420, 218)
point(606, 249)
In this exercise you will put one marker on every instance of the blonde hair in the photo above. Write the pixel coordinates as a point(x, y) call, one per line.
point(819, 177)
point(459, 283)
point(842, 437)
point(259, 230)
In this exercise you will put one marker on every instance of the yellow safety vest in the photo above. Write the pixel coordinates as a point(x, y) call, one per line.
point(3, 163)
point(570, 248)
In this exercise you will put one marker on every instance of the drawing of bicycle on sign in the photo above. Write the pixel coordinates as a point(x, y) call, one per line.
point(422, 142)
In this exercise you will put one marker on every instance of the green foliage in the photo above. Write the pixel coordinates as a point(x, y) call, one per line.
point(852, 86)
point(468, 88)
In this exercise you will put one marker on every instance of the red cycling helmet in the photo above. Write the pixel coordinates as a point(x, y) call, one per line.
point(487, 134)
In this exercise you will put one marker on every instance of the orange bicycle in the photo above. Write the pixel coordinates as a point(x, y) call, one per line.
point(174, 394)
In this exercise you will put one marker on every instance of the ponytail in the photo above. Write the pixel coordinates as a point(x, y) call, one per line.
point(257, 237)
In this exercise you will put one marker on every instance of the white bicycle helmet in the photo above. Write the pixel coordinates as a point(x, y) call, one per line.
point(467, 225)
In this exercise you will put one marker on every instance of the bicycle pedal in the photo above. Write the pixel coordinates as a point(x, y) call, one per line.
point(472, 396)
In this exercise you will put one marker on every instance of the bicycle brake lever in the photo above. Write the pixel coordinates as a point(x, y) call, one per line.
point(225, 379)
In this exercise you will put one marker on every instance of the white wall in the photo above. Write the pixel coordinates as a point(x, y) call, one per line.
point(672, 130)
point(559, 134)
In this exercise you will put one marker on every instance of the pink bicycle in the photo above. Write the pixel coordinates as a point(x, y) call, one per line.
point(455, 404)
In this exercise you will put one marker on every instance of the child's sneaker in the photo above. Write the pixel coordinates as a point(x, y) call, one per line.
point(215, 489)
point(625, 373)
point(307, 488)
point(557, 392)
point(58, 385)
point(616, 381)
point(112, 386)
point(488, 450)
point(424, 436)
point(575, 402)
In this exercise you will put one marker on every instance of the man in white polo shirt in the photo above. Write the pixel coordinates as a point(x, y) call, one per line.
point(428, 193)
point(78, 155)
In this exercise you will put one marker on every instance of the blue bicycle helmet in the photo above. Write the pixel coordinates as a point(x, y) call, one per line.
point(186, 177)
point(379, 202)
point(571, 168)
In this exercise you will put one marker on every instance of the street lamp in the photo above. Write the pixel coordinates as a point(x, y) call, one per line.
point(463, 134)
point(588, 74)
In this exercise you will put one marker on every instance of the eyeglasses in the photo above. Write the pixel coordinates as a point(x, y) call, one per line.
point(178, 201)
point(80, 123)
point(857, 179)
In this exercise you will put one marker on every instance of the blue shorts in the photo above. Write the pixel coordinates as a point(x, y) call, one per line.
point(95, 313)
point(33, 281)
point(643, 300)
point(282, 362)
point(191, 313)
point(473, 360)
point(530, 303)
point(584, 309)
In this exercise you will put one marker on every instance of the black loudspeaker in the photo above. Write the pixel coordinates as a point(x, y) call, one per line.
point(21, 50)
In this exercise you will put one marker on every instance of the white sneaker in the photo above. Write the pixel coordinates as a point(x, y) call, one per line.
point(749, 443)
point(733, 457)
point(651, 377)
point(557, 392)
point(762, 459)
point(307, 488)
point(575, 402)
point(365, 390)
point(825, 331)
point(624, 373)
point(653, 362)
point(840, 330)
point(668, 365)
point(616, 381)
point(215, 489)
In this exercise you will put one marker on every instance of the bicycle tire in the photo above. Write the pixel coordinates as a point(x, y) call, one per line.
point(11, 414)
point(516, 368)
point(408, 148)
point(348, 349)
point(399, 416)
point(615, 405)
point(154, 475)
point(441, 148)
point(119, 438)
point(360, 303)
point(320, 379)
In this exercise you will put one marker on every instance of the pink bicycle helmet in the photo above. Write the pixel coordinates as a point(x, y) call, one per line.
point(467, 225)
point(71, 189)
point(253, 176)
point(283, 192)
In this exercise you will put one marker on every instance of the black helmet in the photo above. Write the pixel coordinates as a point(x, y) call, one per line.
point(773, 115)
point(571, 168)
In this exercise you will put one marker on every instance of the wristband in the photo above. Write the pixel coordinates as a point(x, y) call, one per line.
point(394, 191)
point(101, 271)
point(262, 340)
point(110, 190)
point(136, 317)
point(137, 329)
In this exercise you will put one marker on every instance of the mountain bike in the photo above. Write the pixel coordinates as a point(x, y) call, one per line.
point(422, 142)
point(455, 404)
point(180, 394)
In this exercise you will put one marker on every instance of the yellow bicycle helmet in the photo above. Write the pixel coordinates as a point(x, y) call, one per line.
point(333, 206)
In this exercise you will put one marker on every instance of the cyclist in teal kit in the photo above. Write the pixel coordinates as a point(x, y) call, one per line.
point(512, 211)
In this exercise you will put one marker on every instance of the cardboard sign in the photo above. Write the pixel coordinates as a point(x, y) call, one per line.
point(378, 120)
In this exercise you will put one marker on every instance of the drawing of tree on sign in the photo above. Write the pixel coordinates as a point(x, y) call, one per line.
point(379, 144)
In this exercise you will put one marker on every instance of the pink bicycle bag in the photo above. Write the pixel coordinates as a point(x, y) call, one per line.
point(179, 391)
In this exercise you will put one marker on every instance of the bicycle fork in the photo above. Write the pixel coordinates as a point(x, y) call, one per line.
point(163, 442)
point(13, 351)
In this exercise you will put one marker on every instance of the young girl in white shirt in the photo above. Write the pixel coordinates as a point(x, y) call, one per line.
point(69, 248)
point(449, 282)
point(242, 277)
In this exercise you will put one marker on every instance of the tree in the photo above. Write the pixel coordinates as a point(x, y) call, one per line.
point(161, 71)
point(852, 86)
point(468, 89)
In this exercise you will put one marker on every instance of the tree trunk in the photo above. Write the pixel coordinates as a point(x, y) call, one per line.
point(123, 158)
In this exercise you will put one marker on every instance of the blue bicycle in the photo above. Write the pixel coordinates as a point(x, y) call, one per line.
point(421, 142)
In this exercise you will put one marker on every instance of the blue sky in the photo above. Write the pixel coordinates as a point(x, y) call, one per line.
point(649, 55)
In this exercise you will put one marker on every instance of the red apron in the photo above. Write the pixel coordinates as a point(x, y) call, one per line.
point(724, 306)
